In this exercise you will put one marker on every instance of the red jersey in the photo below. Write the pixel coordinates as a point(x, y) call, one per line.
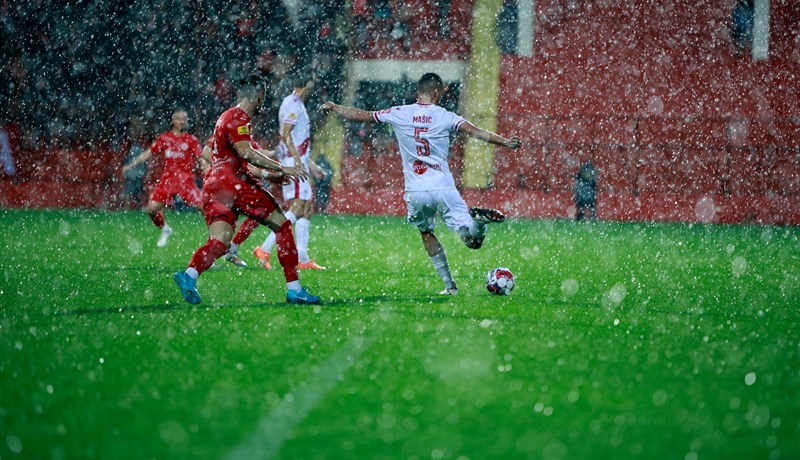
point(232, 126)
point(180, 153)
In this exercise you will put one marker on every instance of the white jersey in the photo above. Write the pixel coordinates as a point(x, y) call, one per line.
point(293, 112)
point(423, 134)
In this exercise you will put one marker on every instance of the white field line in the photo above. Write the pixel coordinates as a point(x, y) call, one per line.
point(273, 429)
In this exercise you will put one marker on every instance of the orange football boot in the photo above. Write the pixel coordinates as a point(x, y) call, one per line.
point(310, 265)
point(263, 257)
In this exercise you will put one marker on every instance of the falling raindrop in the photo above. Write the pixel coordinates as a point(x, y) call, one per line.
point(738, 266)
point(569, 287)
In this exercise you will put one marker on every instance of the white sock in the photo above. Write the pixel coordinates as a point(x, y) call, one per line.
point(301, 233)
point(166, 229)
point(268, 243)
point(293, 285)
point(439, 262)
point(192, 272)
point(234, 248)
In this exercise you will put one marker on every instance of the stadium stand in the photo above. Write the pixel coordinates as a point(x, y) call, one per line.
point(651, 92)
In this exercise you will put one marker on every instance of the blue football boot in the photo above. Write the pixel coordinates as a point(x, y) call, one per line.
point(186, 283)
point(301, 297)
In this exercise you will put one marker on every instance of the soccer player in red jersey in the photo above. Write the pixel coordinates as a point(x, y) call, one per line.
point(248, 225)
point(230, 189)
point(181, 151)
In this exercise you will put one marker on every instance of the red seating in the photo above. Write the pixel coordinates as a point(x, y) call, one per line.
point(524, 168)
point(616, 170)
point(748, 170)
point(614, 131)
point(562, 166)
point(571, 131)
point(702, 169)
point(657, 170)
point(784, 175)
point(354, 170)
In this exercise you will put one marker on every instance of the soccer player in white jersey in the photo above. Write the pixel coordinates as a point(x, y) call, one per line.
point(295, 148)
point(423, 134)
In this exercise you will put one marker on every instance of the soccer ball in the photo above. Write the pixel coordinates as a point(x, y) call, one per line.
point(500, 281)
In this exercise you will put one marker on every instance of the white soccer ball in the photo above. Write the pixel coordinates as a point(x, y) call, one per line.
point(500, 281)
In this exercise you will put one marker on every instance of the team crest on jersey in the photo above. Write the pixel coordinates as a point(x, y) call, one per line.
point(242, 130)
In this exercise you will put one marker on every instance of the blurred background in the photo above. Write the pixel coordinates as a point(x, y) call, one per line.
point(688, 110)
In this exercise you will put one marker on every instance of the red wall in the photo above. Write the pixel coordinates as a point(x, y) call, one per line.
point(679, 128)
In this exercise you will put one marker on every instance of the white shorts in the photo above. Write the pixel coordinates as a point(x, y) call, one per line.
point(296, 190)
point(423, 207)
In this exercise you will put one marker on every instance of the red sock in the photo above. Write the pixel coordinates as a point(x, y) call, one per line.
point(204, 257)
point(158, 219)
point(245, 230)
point(287, 252)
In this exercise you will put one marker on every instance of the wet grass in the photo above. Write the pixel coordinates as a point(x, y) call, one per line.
point(621, 340)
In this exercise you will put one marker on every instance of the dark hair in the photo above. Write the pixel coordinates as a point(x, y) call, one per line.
point(300, 78)
point(176, 110)
point(250, 86)
point(429, 82)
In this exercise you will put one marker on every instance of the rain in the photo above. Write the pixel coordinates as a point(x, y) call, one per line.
point(632, 167)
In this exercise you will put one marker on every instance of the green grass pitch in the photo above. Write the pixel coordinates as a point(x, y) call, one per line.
point(621, 340)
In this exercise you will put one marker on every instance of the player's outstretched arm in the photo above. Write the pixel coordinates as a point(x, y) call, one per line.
point(256, 158)
point(275, 177)
point(348, 113)
point(488, 136)
point(144, 156)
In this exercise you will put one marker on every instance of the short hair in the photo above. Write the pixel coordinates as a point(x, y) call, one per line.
point(430, 82)
point(301, 78)
point(250, 86)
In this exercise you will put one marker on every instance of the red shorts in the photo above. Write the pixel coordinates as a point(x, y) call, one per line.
point(169, 186)
point(225, 199)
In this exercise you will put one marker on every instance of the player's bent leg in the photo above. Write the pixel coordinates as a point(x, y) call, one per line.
point(487, 215)
point(245, 230)
point(232, 256)
point(247, 227)
point(301, 231)
point(287, 251)
point(471, 241)
point(439, 260)
point(154, 208)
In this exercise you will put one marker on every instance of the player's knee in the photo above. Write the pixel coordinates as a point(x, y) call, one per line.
point(220, 241)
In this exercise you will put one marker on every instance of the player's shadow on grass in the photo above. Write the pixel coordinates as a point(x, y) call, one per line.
point(365, 301)
point(121, 310)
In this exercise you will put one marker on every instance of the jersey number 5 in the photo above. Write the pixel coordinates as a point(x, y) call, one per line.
point(423, 147)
